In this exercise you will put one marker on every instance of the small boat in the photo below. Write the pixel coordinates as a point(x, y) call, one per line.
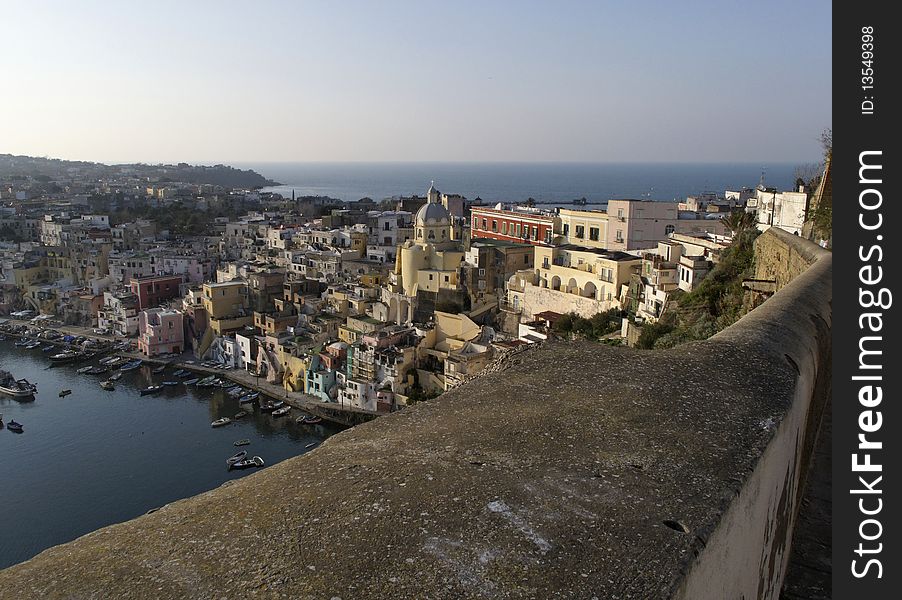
point(311, 445)
point(83, 369)
point(159, 370)
point(48, 348)
point(281, 412)
point(309, 420)
point(248, 462)
point(65, 356)
point(191, 381)
point(97, 370)
point(186, 374)
point(267, 406)
point(237, 457)
point(278, 404)
point(64, 393)
point(221, 422)
point(13, 426)
point(242, 443)
point(108, 385)
point(21, 343)
point(240, 414)
point(116, 376)
point(33, 345)
point(171, 383)
point(225, 383)
point(151, 390)
point(131, 365)
point(17, 388)
point(248, 398)
point(179, 373)
point(238, 391)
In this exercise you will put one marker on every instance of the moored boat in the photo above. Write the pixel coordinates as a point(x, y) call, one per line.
point(17, 388)
point(14, 426)
point(116, 376)
point(108, 385)
point(64, 393)
point(248, 397)
point(240, 414)
point(159, 369)
point(242, 443)
point(170, 383)
point(267, 406)
point(256, 461)
point(191, 381)
point(131, 365)
point(81, 370)
point(221, 422)
point(237, 457)
point(64, 356)
point(309, 420)
point(281, 412)
point(153, 389)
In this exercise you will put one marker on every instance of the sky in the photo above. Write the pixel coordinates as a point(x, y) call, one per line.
point(591, 81)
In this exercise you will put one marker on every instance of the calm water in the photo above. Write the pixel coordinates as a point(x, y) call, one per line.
point(95, 457)
point(558, 182)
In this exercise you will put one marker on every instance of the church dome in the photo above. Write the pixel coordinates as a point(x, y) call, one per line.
point(432, 213)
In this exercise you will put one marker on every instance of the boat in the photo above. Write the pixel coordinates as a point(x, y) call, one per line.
point(248, 462)
point(267, 406)
point(240, 414)
point(108, 385)
point(237, 457)
point(225, 383)
point(97, 370)
point(278, 404)
point(159, 370)
point(311, 445)
point(83, 369)
point(281, 412)
point(186, 374)
point(13, 426)
point(248, 398)
point(171, 383)
point(131, 365)
point(33, 345)
point(48, 348)
point(242, 443)
point(17, 388)
point(21, 343)
point(153, 389)
point(65, 356)
point(116, 376)
point(191, 381)
point(221, 422)
point(237, 391)
point(179, 373)
point(64, 393)
point(309, 420)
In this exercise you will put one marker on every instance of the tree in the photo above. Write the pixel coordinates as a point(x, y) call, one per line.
point(738, 221)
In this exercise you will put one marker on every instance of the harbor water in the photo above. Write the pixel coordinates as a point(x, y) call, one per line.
point(96, 457)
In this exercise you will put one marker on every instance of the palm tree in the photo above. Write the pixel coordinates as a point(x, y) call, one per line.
point(738, 221)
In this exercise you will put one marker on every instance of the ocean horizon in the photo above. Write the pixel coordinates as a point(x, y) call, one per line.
point(557, 182)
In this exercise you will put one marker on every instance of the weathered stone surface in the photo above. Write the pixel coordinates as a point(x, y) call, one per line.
point(554, 477)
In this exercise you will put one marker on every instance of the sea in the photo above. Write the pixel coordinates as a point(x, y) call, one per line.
point(555, 183)
point(95, 458)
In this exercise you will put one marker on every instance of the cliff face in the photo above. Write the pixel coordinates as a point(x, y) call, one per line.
point(575, 470)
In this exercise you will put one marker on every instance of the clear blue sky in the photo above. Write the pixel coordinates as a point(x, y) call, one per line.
point(223, 80)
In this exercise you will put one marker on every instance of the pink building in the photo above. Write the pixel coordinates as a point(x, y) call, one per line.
point(161, 331)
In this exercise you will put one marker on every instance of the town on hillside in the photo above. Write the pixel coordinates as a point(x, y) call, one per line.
point(366, 305)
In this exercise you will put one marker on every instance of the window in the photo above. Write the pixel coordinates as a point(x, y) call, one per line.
point(484, 225)
point(566, 229)
point(504, 227)
point(669, 229)
point(482, 272)
point(494, 226)
point(593, 234)
point(447, 279)
point(535, 232)
point(620, 235)
point(580, 231)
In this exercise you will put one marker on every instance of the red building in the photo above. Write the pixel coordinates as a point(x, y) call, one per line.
point(534, 228)
point(152, 290)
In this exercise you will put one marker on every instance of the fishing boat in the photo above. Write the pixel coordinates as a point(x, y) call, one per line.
point(159, 370)
point(278, 404)
point(237, 391)
point(108, 385)
point(281, 412)
point(225, 383)
point(237, 457)
point(186, 374)
point(64, 393)
point(17, 388)
point(116, 376)
point(153, 389)
point(131, 365)
point(247, 398)
point(240, 414)
point(311, 445)
point(242, 443)
point(248, 462)
point(171, 383)
point(221, 422)
point(64, 356)
point(83, 369)
point(309, 420)
point(191, 381)
point(13, 426)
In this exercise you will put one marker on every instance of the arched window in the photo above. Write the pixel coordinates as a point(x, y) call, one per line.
point(431, 235)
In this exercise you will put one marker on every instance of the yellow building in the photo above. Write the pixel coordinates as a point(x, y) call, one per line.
point(428, 263)
point(227, 306)
point(584, 227)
